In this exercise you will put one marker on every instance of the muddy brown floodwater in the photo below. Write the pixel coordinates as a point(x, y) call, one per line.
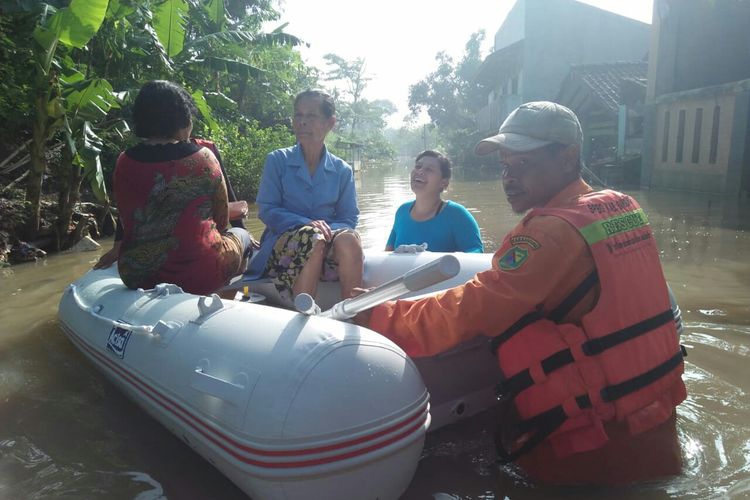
point(67, 432)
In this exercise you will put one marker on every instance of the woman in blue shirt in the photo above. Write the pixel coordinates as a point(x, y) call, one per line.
point(445, 226)
point(308, 203)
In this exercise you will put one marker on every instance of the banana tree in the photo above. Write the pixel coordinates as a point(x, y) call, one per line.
point(70, 27)
point(86, 104)
point(211, 47)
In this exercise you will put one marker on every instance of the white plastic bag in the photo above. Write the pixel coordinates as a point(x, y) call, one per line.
point(412, 248)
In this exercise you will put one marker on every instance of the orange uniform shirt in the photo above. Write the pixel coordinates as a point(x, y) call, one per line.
point(556, 262)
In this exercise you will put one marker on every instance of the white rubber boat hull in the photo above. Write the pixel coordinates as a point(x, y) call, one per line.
point(287, 406)
point(462, 381)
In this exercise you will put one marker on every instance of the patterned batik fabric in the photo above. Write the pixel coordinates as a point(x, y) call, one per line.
point(292, 251)
point(173, 209)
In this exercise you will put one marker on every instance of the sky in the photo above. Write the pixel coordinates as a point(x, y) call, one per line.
point(399, 38)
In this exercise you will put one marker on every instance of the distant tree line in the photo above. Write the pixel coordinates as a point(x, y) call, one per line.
point(451, 97)
point(70, 68)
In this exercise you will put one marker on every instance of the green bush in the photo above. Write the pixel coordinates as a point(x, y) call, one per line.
point(243, 150)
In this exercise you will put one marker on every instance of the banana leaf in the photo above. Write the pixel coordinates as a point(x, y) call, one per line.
point(89, 100)
point(89, 159)
point(169, 24)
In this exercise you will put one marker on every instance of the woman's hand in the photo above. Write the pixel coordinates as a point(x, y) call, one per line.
point(237, 209)
point(110, 257)
point(324, 228)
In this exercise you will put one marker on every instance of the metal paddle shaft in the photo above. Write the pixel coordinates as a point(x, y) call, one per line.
point(434, 272)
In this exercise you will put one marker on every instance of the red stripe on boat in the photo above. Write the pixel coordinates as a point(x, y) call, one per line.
point(420, 416)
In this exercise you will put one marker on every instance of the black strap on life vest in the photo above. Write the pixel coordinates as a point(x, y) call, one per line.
point(543, 425)
point(540, 426)
point(558, 313)
point(616, 391)
point(555, 315)
point(516, 327)
point(511, 386)
point(598, 345)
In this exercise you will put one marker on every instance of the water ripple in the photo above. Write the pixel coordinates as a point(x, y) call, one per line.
point(28, 472)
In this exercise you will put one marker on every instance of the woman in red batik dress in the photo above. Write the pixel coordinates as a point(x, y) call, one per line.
point(172, 201)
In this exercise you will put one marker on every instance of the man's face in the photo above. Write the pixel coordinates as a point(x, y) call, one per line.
point(310, 124)
point(533, 178)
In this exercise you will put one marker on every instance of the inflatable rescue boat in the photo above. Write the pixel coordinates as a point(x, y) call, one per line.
point(286, 404)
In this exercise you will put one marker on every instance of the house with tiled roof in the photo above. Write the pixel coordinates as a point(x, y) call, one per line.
point(697, 128)
point(538, 43)
point(609, 100)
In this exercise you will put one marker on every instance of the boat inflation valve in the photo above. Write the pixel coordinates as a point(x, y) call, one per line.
point(247, 296)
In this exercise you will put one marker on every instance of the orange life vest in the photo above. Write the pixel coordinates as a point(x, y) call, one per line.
point(623, 362)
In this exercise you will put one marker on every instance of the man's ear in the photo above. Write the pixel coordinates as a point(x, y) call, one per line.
point(571, 157)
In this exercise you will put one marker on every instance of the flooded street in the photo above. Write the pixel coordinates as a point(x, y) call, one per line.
point(67, 432)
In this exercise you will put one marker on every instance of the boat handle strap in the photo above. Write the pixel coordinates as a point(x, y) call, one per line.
point(94, 311)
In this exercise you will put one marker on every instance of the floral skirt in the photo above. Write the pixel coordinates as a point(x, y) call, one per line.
point(292, 251)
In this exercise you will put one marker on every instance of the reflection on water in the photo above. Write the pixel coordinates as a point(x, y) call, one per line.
point(65, 431)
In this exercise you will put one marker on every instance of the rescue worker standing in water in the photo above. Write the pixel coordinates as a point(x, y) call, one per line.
point(577, 310)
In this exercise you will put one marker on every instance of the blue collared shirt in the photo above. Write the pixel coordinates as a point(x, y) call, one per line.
point(289, 197)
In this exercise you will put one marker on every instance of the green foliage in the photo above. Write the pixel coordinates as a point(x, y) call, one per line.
point(269, 100)
point(84, 105)
point(351, 74)
point(88, 157)
point(169, 24)
point(452, 98)
point(243, 150)
point(358, 119)
point(377, 147)
point(82, 19)
point(205, 110)
point(410, 141)
point(118, 10)
point(68, 86)
point(16, 77)
point(88, 99)
point(216, 13)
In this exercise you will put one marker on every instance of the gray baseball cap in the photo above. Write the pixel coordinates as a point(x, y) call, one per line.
point(534, 125)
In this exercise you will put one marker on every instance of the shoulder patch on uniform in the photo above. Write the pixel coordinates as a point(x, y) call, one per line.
point(513, 258)
point(525, 240)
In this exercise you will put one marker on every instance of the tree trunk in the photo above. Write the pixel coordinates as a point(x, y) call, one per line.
point(241, 93)
point(69, 179)
point(38, 165)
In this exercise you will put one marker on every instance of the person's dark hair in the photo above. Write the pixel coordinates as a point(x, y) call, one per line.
point(161, 109)
point(327, 106)
point(443, 161)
